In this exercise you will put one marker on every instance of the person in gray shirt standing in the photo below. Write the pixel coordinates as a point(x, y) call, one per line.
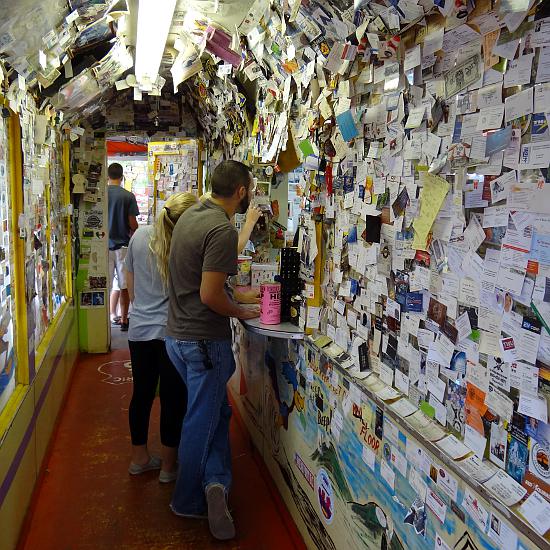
point(198, 340)
point(123, 210)
point(147, 279)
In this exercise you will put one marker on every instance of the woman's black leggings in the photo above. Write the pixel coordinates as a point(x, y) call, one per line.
point(149, 362)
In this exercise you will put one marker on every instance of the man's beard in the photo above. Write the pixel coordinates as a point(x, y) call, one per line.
point(243, 205)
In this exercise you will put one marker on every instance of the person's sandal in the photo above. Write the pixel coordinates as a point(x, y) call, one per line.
point(124, 326)
point(115, 321)
point(153, 464)
point(167, 477)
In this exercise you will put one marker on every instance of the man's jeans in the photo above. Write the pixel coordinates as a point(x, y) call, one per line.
point(204, 454)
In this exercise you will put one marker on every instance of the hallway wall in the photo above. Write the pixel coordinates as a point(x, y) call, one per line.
point(25, 443)
point(330, 445)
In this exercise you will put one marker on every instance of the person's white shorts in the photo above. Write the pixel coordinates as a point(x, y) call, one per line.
point(115, 282)
point(116, 265)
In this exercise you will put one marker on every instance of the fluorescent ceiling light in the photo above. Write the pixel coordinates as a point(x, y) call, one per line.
point(154, 21)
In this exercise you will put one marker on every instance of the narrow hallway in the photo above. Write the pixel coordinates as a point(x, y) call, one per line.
point(86, 499)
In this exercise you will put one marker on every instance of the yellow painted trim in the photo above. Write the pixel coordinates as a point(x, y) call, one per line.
point(8, 412)
point(67, 201)
point(42, 348)
point(18, 283)
point(48, 196)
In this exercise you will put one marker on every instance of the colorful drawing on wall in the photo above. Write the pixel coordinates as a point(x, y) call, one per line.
point(360, 499)
point(465, 542)
point(289, 373)
point(305, 510)
point(416, 516)
point(325, 496)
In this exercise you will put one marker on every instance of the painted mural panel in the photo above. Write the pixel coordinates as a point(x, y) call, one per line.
point(350, 477)
point(248, 381)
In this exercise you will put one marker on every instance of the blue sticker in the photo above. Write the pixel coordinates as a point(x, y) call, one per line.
point(347, 126)
point(539, 125)
point(498, 141)
point(414, 302)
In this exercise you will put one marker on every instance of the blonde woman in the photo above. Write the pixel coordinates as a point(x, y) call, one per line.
point(147, 277)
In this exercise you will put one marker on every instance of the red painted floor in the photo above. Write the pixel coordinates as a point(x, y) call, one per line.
point(87, 500)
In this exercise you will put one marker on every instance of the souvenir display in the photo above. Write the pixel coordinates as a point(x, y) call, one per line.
point(92, 237)
point(36, 179)
point(58, 214)
point(7, 318)
point(174, 167)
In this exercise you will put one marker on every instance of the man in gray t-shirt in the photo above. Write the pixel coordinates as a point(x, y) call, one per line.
point(203, 241)
point(202, 255)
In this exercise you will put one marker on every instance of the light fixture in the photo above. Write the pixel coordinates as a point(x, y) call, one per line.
point(154, 21)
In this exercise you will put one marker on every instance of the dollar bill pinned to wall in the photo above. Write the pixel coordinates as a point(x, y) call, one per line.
point(463, 75)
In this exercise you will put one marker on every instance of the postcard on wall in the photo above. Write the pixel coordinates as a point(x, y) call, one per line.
point(90, 300)
point(463, 76)
point(505, 488)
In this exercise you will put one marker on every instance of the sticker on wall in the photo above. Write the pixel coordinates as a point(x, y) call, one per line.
point(539, 455)
point(93, 219)
point(325, 495)
point(304, 470)
point(97, 282)
point(90, 300)
point(416, 516)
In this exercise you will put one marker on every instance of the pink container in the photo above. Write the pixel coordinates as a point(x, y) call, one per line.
point(270, 303)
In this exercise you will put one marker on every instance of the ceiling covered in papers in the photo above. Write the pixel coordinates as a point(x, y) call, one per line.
point(246, 68)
